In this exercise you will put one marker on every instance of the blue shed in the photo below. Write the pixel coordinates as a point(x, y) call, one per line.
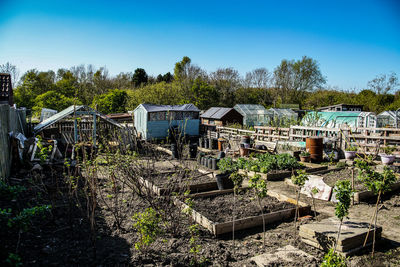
point(154, 121)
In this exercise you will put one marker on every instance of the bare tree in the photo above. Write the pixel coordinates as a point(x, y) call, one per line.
point(258, 78)
point(12, 70)
point(226, 81)
point(383, 84)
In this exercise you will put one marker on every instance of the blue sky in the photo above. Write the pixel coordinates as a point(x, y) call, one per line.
point(353, 41)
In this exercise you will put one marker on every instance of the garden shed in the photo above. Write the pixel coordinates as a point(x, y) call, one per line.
point(155, 121)
point(338, 119)
point(219, 116)
point(389, 119)
point(254, 115)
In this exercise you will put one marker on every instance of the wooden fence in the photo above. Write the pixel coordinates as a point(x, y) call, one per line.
point(11, 120)
point(367, 139)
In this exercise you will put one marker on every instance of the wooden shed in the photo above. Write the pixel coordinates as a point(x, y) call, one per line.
point(155, 121)
point(219, 116)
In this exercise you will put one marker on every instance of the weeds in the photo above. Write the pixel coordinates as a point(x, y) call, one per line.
point(147, 223)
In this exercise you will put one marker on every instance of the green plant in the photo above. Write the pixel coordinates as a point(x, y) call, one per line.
point(377, 183)
point(389, 150)
point(299, 180)
point(237, 180)
point(23, 220)
point(333, 259)
point(259, 187)
point(343, 195)
point(9, 192)
point(14, 260)
point(351, 148)
point(305, 154)
point(227, 165)
point(147, 223)
point(44, 151)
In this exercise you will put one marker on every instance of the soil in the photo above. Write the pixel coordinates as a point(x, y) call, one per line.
point(220, 208)
point(332, 177)
point(172, 178)
point(64, 236)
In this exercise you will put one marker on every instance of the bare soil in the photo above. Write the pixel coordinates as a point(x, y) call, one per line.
point(220, 208)
point(346, 174)
point(179, 177)
point(64, 237)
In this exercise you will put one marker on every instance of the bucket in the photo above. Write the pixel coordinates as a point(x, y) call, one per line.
point(315, 146)
point(214, 164)
point(209, 163)
point(223, 181)
point(206, 142)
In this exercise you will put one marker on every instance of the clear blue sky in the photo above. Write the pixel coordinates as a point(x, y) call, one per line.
point(353, 41)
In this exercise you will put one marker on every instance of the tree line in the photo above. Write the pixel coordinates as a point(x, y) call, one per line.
point(291, 82)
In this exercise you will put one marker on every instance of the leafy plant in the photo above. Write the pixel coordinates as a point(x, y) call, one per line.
point(14, 260)
point(343, 195)
point(147, 223)
point(351, 148)
point(259, 187)
point(9, 192)
point(305, 154)
point(227, 165)
point(299, 180)
point(333, 259)
point(23, 220)
point(237, 180)
point(389, 150)
point(377, 183)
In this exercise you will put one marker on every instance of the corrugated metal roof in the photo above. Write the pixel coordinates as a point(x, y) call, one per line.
point(156, 108)
point(215, 113)
point(67, 112)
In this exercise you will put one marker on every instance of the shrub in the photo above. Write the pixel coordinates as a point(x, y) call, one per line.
point(147, 223)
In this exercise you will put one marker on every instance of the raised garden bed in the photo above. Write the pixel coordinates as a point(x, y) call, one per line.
point(165, 183)
point(361, 194)
point(213, 210)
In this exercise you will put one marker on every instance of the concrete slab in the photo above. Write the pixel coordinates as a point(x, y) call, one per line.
point(283, 257)
point(323, 234)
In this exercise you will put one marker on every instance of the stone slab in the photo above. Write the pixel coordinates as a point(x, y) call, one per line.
point(323, 234)
point(287, 255)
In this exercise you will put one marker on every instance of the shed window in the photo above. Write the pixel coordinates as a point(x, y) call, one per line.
point(157, 116)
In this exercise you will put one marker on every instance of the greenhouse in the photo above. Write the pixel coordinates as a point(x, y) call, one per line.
point(283, 114)
point(254, 115)
point(339, 119)
point(388, 119)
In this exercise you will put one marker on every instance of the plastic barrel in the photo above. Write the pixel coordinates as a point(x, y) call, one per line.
point(315, 146)
point(209, 163)
point(213, 163)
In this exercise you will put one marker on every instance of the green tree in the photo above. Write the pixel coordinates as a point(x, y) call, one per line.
point(52, 100)
point(140, 77)
point(68, 84)
point(112, 102)
point(203, 95)
point(294, 78)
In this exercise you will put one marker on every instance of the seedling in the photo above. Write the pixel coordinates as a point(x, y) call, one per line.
point(299, 180)
point(343, 195)
point(259, 187)
point(314, 191)
point(378, 184)
point(147, 223)
point(332, 259)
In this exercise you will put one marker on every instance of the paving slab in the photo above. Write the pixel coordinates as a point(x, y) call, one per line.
point(323, 234)
point(285, 256)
